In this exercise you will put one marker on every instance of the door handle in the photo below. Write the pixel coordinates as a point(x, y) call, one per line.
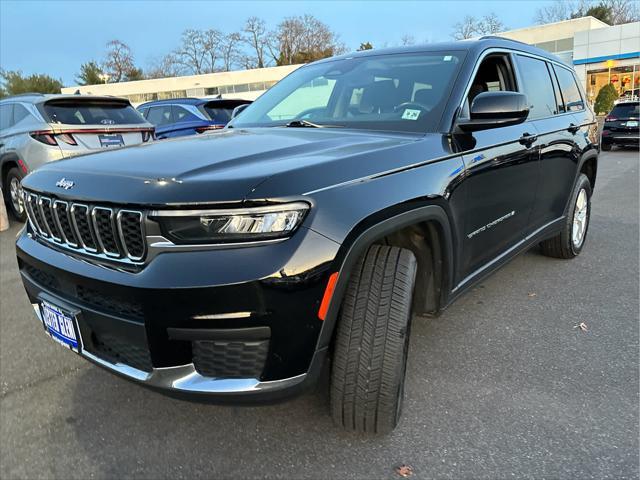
point(573, 128)
point(527, 139)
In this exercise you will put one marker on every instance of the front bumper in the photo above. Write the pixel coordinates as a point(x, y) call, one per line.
point(147, 326)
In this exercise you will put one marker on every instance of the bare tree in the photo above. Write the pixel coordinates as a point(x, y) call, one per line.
point(190, 54)
point(211, 46)
point(256, 37)
point(490, 24)
point(556, 12)
point(167, 66)
point(467, 28)
point(623, 11)
point(304, 39)
point(407, 40)
point(230, 51)
point(118, 62)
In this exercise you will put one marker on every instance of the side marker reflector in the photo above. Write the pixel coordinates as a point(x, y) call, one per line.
point(328, 293)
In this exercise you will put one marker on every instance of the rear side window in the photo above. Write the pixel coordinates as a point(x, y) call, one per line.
point(160, 115)
point(569, 89)
point(220, 111)
point(92, 113)
point(5, 116)
point(626, 110)
point(181, 114)
point(537, 85)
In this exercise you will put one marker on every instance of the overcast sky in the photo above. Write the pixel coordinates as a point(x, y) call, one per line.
point(56, 37)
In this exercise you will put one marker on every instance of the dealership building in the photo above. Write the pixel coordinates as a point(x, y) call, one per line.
point(599, 53)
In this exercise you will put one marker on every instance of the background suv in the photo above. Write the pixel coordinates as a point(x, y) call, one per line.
point(187, 116)
point(36, 129)
point(622, 126)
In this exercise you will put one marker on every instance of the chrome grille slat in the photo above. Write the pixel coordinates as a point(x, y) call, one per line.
point(95, 230)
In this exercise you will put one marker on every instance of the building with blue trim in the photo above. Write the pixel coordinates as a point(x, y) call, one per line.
point(599, 53)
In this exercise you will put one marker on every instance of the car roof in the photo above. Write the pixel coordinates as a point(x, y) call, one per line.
point(627, 102)
point(38, 98)
point(191, 101)
point(474, 46)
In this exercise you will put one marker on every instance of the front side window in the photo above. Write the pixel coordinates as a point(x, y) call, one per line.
point(569, 89)
point(91, 113)
point(536, 83)
point(399, 92)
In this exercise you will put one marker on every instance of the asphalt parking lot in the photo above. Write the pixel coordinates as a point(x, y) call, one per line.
point(501, 385)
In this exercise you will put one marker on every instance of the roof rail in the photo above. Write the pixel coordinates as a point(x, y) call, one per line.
point(26, 94)
point(498, 37)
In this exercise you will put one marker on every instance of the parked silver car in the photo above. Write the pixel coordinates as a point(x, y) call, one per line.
point(36, 129)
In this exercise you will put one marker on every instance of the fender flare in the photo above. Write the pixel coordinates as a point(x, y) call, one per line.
point(9, 157)
point(380, 229)
point(586, 156)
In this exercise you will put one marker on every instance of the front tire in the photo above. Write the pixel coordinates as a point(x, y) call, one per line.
point(372, 341)
point(569, 243)
point(13, 194)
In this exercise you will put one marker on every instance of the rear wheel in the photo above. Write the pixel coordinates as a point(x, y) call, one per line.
point(605, 147)
point(372, 341)
point(13, 194)
point(569, 242)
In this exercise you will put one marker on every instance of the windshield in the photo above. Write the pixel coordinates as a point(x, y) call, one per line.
point(92, 113)
point(395, 92)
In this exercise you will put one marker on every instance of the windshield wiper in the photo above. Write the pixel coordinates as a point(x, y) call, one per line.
point(307, 123)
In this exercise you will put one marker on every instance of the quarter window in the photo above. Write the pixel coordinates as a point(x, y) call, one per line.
point(537, 85)
point(19, 113)
point(570, 91)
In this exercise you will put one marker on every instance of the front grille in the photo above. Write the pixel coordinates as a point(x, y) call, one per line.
point(230, 359)
point(117, 350)
point(92, 229)
point(108, 304)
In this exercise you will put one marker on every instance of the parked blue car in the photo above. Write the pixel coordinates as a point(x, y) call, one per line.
point(178, 117)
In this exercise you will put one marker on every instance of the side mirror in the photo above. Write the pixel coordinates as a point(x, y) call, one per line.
point(236, 111)
point(496, 109)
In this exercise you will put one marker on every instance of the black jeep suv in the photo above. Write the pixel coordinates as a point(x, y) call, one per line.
point(356, 192)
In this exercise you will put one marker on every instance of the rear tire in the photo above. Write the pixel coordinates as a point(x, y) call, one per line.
point(372, 341)
point(569, 243)
point(605, 147)
point(12, 194)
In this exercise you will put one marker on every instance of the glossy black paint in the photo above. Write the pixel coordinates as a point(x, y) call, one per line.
point(496, 109)
point(488, 194)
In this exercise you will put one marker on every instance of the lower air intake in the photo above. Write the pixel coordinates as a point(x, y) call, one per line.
point(230, 359)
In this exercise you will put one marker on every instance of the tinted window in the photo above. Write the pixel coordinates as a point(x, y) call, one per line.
point(5, 116)
point(181, 114)
point(536, 84)
point(626, 110)
point(91, 113)
point(379, 92)
point(19, 113)
point(160, 115)
point(569, 88)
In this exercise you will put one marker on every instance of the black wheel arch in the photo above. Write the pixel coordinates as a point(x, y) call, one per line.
point(380, 226)
point(7, 162)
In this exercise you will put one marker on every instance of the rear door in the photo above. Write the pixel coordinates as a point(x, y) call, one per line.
point(81, 125)
point(557, 130)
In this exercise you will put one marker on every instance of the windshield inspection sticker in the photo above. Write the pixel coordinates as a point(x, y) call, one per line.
point(410, 114)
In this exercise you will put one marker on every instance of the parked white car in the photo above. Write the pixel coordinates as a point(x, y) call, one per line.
point(36, 129)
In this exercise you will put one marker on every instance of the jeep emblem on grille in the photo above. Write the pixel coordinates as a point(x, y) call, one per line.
point(64, 183)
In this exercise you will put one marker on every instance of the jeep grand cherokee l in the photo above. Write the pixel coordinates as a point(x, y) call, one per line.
point(357, 191)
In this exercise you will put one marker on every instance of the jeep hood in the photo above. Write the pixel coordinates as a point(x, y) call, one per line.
point(230, 165)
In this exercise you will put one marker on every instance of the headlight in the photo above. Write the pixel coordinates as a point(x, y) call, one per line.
point(234, 225)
